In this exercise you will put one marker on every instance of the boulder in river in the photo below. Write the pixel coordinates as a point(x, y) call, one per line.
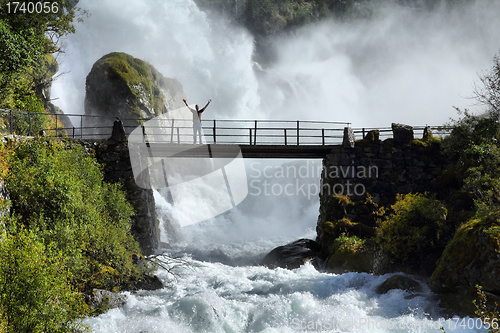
point(292, 255)
point(399, 282)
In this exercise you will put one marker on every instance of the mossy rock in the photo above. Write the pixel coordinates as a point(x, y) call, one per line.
point(122, 86)
point(472, 257)
point(345, 226)
point(350, 254)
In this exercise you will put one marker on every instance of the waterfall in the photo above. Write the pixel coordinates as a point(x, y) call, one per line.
point(399, 65)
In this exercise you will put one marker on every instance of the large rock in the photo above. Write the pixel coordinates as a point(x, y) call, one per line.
point(125, 87)
point(102, 300)
point(292, 255)
point(472, 257)
point(403, 134)
point(399, 282)
point(115, 158)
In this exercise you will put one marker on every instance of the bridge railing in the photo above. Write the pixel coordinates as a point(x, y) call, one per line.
point(246, 132)
point(273, 132)
point(242, 132)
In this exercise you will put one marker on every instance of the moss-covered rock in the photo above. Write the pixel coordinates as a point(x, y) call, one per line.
point(472, 257)
point(350, 254)
point(122, 86)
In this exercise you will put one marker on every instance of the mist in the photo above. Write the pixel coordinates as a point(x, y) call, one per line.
point(402, 65)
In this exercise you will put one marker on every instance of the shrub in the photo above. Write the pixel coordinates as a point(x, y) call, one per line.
point(58, 190)
point(415, 227)
point(35, 290)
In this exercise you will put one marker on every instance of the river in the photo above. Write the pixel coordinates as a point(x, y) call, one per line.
point(216, 284)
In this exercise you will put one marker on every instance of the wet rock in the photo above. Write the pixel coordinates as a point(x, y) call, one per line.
point(399, 282)
point(102, 300)
point(145, 282)
point(292, 255)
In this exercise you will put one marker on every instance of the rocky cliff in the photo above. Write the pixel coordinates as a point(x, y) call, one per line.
point(115, 157)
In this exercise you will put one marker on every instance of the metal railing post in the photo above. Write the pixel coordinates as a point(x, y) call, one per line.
point(73, 132)
point(255, 134)
point(250, 136)
point(172, 132)
point(285, 136)
point(81, 126)
point(298, 134)
point(29, 121)
point(215, 137)
point(323, 136)
point(178, 136)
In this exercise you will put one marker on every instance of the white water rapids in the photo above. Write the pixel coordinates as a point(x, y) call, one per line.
point(219, 286)
point(401, 65)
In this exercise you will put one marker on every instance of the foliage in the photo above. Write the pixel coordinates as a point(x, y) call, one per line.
point(24, 39)
point(474, 145)
point(35, 290)
point(489, 316)
point(57, 190)
point(348, 245)
point(488, 92)
point(268, 18)
point(415, 227)
point(350, 253)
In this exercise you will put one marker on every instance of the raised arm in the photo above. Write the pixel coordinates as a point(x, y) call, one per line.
point(209, 101)
point(185, 102)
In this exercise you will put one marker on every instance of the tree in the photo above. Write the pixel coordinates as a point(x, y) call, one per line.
point(25, 38)
point(488, 92)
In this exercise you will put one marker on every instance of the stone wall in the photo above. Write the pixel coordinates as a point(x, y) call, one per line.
point(372, 172)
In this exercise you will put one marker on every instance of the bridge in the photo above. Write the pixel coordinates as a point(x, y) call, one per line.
point(174, 137)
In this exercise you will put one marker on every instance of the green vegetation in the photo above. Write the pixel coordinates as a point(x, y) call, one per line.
point(413, 228)
point(268, 18)
point(36, 294)
point(67, 232)
point(27, 64)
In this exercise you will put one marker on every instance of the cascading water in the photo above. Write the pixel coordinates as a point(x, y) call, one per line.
point(401, 65)
point(218, 285)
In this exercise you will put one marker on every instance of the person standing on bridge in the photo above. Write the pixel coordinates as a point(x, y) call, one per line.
point(196, 119)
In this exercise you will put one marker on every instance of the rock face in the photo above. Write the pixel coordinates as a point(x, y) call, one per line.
point(125, 87)
point(4, 199)
point(292, 255)
point(115, 156)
